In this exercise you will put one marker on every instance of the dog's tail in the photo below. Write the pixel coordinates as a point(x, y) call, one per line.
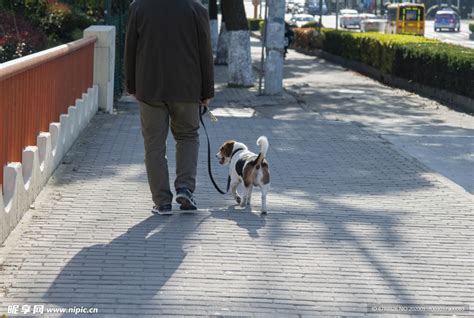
point(262, 141)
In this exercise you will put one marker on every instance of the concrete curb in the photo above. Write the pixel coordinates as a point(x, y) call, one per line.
point(452, 100)
point(23, 181)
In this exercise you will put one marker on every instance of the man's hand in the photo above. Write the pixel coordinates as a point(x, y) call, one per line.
point(205, 102)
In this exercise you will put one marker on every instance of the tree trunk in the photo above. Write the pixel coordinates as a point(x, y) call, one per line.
point(239, 58)
point(213, 23)
point(235, 18)
point(275, 47)
point(255, 3)
point(223, 40)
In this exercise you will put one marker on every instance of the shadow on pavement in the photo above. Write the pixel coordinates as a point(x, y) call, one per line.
point(138, 264)
point(317, 167)
point(243, 218)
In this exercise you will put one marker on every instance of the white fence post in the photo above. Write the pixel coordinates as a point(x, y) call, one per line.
point(104, 63)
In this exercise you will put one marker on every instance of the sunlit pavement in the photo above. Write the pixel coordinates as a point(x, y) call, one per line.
point(355, 222)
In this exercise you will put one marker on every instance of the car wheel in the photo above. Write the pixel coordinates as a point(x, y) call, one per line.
point(436, 29)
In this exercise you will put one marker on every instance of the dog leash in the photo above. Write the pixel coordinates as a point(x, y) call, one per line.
point(202, 111)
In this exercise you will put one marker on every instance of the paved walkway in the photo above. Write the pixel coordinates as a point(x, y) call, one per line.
point(441, 138)
point(352, 221)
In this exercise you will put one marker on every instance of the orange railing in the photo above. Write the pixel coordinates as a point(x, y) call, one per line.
point(35, 90)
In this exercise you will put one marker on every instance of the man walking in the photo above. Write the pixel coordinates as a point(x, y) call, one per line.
point(169, 69)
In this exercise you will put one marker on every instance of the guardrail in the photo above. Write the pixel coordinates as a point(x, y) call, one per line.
point(36, 89)
point(46, 100)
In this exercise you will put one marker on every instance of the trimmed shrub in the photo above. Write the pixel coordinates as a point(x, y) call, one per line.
point(471, 27)
point(261, 27)
point(374, 49)
point(439, 65)
point(254, 24)
point(425, 61)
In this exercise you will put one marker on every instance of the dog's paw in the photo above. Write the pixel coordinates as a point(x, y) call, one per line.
point(238, 199)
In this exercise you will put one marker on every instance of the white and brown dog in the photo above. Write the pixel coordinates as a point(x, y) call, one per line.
point(246, 167)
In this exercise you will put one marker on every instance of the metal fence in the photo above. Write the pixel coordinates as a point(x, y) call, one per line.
point(117, 16)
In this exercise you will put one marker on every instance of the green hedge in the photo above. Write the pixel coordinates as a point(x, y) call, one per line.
point(261, 27)
point(254, 24)
point(425, 61)
point(471, 27)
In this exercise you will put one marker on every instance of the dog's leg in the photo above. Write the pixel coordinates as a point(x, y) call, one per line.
point(265, 189)
point(236, 196)
point(247, 195)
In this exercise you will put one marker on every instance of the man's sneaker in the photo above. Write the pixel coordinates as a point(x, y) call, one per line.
point(165, 209)
point(186, 199)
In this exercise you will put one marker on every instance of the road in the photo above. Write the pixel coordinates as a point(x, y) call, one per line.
point(460, 38)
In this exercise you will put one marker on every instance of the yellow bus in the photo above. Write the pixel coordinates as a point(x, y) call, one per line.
point(406, 18)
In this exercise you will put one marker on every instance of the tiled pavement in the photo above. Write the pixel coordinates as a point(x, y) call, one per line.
point(352, 221)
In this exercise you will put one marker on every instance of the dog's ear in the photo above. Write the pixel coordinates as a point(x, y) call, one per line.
point(227, 147)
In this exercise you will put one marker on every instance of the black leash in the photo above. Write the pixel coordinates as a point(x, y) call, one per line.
point(202, 111)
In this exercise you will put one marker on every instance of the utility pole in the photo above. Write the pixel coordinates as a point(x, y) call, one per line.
point(275, 32)
point(337, 14)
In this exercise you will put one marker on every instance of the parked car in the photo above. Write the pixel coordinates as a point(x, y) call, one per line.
point(372, 23)
point(447, 19)
point(349, 18)
point(301, 19)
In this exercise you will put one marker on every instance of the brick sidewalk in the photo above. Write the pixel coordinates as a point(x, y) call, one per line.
point(351, 222)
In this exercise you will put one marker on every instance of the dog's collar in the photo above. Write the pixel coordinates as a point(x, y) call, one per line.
point(235, 151)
